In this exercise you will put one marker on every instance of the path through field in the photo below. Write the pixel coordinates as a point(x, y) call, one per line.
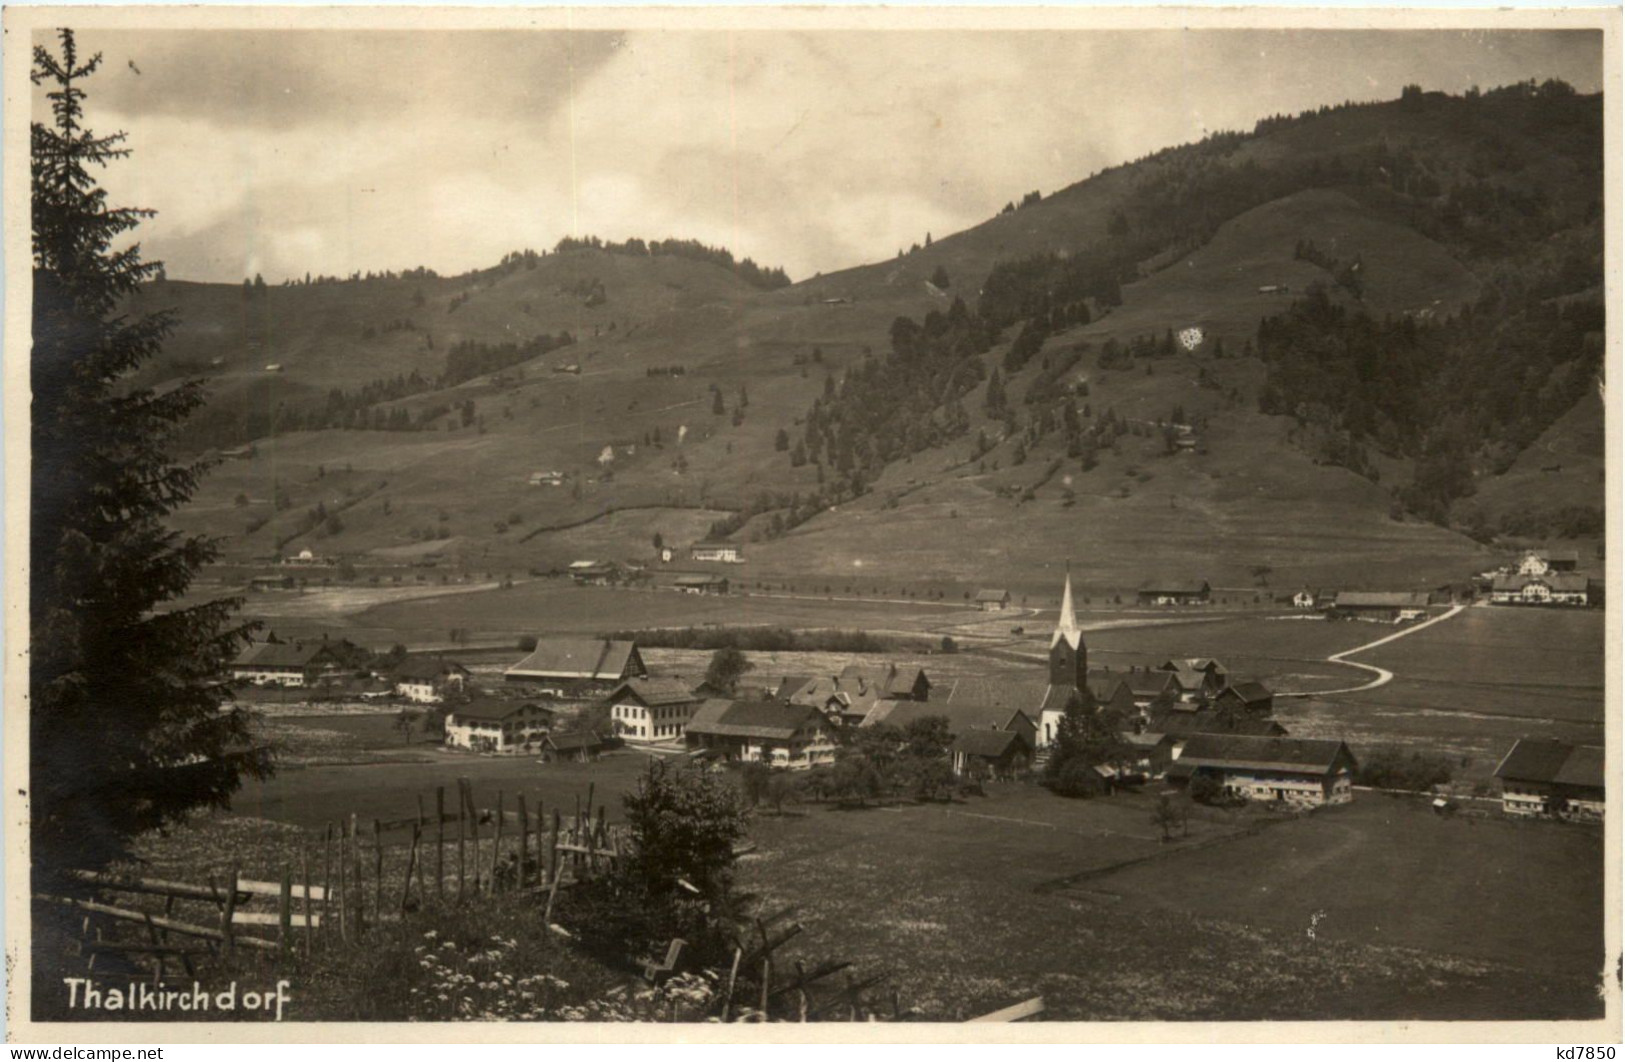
point(1383, 675)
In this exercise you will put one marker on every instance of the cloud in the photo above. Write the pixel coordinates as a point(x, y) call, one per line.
point(287, 151)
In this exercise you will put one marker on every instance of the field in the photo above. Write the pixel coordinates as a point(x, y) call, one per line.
point(1381, 902)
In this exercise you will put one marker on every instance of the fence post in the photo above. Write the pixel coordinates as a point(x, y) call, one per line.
point(474, 825)
point(344, 892)
point(377, 870)
point(229, 910)
point(553, 846)
point(358, 907)
point(284, 912)
point(440, 841)
point(304, 867)
point(541, 828)
point(496, 842)
point(524, 841)
point(327, 879)
point(411, 864)
point(462, 830)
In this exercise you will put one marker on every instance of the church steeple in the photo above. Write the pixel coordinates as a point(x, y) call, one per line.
point(1068, 656)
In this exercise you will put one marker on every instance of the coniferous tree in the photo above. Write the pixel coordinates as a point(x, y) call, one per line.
point(126, 732)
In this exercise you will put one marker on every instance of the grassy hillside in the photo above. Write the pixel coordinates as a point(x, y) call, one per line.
point(653, 449)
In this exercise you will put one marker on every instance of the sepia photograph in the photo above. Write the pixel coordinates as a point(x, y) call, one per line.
point(1085, 520)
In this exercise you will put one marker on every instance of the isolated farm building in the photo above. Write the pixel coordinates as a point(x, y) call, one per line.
point(579, 746)
point(1379, 605)
point(296, 664)
point(578, 667)
point(271, 582)
point(1176, 593)
point(702, 584)
point(992, 600)
point(488, 723)
point(651, 709)
point(725, 552)
point(1542, 562)
point(426, 679)
point(1300, 771)
point(1541, 776)
point(1304, 599)
point(594, 573)
point(790, 736)
point(547, 479)
point(1250, 698)
point(1553, 588)
point(963, 717)
point(999, 753)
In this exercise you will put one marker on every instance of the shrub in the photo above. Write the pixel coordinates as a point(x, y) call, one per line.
point(1390, 767)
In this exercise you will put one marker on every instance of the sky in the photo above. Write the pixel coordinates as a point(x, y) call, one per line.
point(291, 151)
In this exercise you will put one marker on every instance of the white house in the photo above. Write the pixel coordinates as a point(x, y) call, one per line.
point(1552, 588)
point(426, 680)
point(489, 724)
point(1295, 771)
point(726, 552)
point(651, 709)
point(1303, 599)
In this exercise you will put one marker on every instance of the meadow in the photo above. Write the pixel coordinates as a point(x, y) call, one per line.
point(1252, 917)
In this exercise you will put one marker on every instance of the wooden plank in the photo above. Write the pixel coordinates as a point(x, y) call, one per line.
point(157, 887)
point(284, 910)
point(273, 889)
point(229, 909)
point(1031, 1008)
point(269, 918)
point(304, 869)
point(587, 850)
point(170, 924)
point(440, 841)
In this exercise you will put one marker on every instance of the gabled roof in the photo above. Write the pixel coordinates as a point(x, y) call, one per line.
point(1149, 683)
point(426, 669)
point(992, 595)
point(700, 580)
point(1185, 724)
point(789, 685)
point(285, 654)
point(990, 743)
point(1030, 695)
point(1193, 663)
point(492, 709)
point(654, 691)
point(588, 658)
point(753, 719)
point(1249, 692)
point(1377, 599)
point(1263, 753)
point(1549, 760)
point(962, 716)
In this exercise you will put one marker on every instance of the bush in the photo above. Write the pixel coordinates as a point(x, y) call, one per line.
point(1206, 789)
point(1394, 768)
point(1077, 779)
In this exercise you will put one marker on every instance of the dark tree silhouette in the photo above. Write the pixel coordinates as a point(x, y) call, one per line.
point(126, 732)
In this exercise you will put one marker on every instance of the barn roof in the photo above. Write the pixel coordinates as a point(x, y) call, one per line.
point(590, 658)
point(992, 595)
point(284, 654)
point(1549, 760)
point(758, 719)
point(1175, 586)
point(580, 739)
point(962, 716)
point(493, 709)
point(655, 691)
point(990, 743)
point(1378, 599)
point(1266, 753)
point(1151, 683)
point(426, 668)
point(700, 580)
point(1562, 582)
point(1030, 695)
point(1249, 692)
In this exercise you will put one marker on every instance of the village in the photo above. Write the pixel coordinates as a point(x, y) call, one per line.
point(1187, 728)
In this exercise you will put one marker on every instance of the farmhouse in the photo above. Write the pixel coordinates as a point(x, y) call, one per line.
point(1298, 771)
point(1249, 698)
point(495, 724)
point(1199, 678)
point(1383, 607)
point(651, 709)
point(578, 667)
point(999, 753)
point(1176, 593)
point(1304, 598)
point(593, 573)
point(962, 718)
point(295, 664)
point(702, 584)
point(850, 696)
point(1543, 562)
point(725, 552)
point(788, 736)
point(1149, 689)
point(425, 680)
point(579, 746)
point(992, 600)
point(1552, 588)
point(1540, 776)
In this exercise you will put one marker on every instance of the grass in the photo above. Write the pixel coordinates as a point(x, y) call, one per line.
point(1219, 932)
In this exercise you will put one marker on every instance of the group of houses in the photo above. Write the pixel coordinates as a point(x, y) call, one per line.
point(613, 573)
point(1543, 577)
